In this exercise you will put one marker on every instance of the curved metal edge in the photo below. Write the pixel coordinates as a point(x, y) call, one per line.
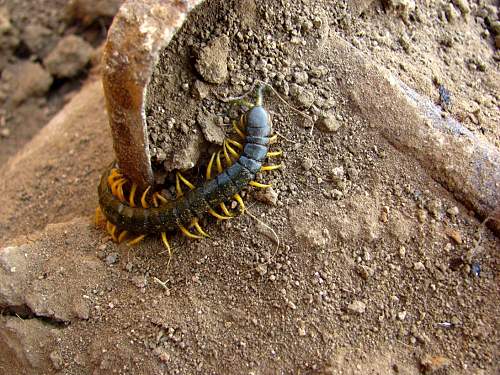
point(139, 32)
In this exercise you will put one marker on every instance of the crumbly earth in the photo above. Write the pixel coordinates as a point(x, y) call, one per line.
point(357, 262)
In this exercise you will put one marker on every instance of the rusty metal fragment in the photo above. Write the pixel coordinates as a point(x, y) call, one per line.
point(139, 32)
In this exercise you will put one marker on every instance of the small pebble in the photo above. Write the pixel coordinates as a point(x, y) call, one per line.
point(328, 122)
point(305, 99)
point(307, 164)
point(357, 307)
point(140, 281)
point(300, 77)
point(268, 196)
point(402, 315)
point(475, 269)
point(454, 235)
point(261, 269)
point(111, 258)
point(418, 266)
point(4, 132)
point(431, 364)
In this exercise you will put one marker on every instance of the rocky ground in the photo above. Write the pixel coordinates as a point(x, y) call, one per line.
point(361, 259)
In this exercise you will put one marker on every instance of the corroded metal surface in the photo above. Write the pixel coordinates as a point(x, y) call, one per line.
point(139, 32)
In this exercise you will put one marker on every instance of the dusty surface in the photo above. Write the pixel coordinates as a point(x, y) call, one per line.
point(371, 266)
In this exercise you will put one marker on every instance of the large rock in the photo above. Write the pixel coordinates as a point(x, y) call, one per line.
point(212, 62)
point(88, 11)
point(70, 56)
point(26, 79)
point(9, 37)
point(68, 144)
point(39, 39)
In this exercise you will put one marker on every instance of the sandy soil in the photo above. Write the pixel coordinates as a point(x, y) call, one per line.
point(358, 262)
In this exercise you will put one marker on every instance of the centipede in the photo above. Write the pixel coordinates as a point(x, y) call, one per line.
point(128, 212)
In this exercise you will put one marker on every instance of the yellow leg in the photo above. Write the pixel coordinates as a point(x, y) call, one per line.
point(273, 139)
point(231, 150)
point(259, 185)
point(274, 153)
point(198, 228)
point(111, 228)
point(218, 216)
point(121, 195)
point(132, 194)
point(144, 203)
point(270, 167)
point(122, 236)
point(113, 175)
point(157, 196)
point(178, 188)
point(226, 155)
point(98, 215)
point(165, 243)
point(185, 180)
point(225, 210)
point(136, 240)
point(188, 233)
point(114, 186)
point(237, 129)
point(209, 167)
point(218, 162)
point(240, 201)
point(234, 143)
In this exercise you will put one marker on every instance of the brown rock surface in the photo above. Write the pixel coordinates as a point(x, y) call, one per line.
point(69, 57)
point(272, 291)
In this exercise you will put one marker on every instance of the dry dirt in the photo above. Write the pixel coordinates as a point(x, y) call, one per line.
point(358, 263)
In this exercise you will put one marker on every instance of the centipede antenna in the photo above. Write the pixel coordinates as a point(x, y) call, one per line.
point(267, 85)
point(122, 236)
point(271, 167)
point(188, 233)
point(132, 194)
point(259, 185)
point(144, 203)
point(218, 216)
point(136, 240)
point(271, 230)
point(209, 167)
point(237, 129)
point(195, 223)
point(272, 154)
point(238, 198)
point(260, 95)
point(225, 210)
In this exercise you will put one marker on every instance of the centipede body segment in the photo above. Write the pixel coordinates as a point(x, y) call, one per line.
point(156, 214)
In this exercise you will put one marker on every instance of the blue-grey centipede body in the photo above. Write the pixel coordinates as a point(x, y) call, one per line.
point(199, 200)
